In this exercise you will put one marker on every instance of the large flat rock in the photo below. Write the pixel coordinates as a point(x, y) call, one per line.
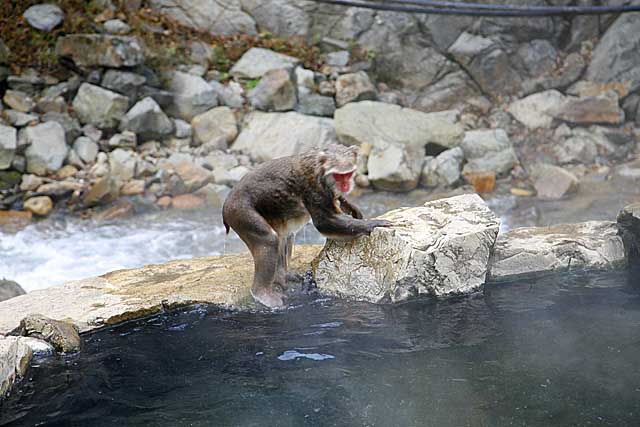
point(437, 249)
point(128, 294)
point(532, 251)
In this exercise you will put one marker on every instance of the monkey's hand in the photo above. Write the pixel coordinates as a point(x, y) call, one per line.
point(373, 223)
point(350, 208)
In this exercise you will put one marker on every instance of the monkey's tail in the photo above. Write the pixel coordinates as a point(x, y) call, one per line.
point(226, 226)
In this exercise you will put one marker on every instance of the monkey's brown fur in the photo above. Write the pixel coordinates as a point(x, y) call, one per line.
point(276, 199)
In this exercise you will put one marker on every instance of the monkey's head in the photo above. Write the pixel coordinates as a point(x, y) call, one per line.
point(339, 164)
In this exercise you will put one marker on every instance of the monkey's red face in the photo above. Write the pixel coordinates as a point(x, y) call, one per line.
point(344, 181)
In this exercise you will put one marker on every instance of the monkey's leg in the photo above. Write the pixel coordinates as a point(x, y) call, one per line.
point(263, 242)
point(291, 276)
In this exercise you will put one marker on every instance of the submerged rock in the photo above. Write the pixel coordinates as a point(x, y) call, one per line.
point(63, 336)
point(437, 249)
point(10, 289)
point(15, 356)
point(488, 150)
point(629, 230)
point(552, 182)
point(532, 251)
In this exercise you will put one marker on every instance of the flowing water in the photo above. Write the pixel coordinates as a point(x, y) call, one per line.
point(550, 352)
point(58, 249)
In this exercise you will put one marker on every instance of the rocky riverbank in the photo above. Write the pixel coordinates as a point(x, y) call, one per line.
point(117, 126)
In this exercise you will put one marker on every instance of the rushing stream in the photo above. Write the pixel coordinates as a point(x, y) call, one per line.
point(537, 353)
point(58, 249)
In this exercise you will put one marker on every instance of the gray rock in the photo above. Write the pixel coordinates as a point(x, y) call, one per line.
point(63, 336)
point(217, 126)
point(441, 248)
point(215, 194)
point(395, 167)
point(164, 98)
point(533, 251)
point(19, 101)
point(44, 17)
point(18, 119)
point(338, 59)
point(629, 230)
point(444, 169)
point(126, 139)
point(257, 61)
point(589, 110)
point(630, 171)
point(70, 125)
point(86, 149)
point(92, 132)
point(15, 357)
point(282, 17)
point(10, 289)
point(447, 93)
point(537, 110)
point(230, 177)
point(30, 182)
point(276, 91)
point(47, 148)
point(216, 17)
point(305, 78)
point(577, 149)
point(354, 87)
point(99, 107)
point(192, 95)
point(315, 105)
point(123, 82)
point(553, 182)
point(147, 120)
point(8, 145)
point(220, 161)
point(193, 176)
point(368, 122)
point(89, 50)
point(616, 57)
point(262, 134)
point(488, 150)
point(231, 95)
point(117, 27)
point(567, 73)
point(538, 56)
point(123, 165)
point(201, 53)
point(182, 129)
point(489, 64)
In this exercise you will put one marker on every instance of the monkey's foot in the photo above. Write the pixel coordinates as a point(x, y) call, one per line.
point(269, 297)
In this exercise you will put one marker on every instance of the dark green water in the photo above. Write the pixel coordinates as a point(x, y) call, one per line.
point(562, 351)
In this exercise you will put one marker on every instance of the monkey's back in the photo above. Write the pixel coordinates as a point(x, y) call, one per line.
point(274, 189)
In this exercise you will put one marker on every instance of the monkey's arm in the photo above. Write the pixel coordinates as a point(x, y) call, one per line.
point(342, 227)
point(350, 208)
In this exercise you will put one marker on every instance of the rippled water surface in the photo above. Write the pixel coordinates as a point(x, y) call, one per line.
point(552, 352)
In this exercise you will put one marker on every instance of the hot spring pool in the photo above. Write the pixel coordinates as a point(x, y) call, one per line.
point(556, 351)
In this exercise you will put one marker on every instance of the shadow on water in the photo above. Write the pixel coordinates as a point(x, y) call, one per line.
point(554, 351)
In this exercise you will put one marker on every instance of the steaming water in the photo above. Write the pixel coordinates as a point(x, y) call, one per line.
point(554, 352)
